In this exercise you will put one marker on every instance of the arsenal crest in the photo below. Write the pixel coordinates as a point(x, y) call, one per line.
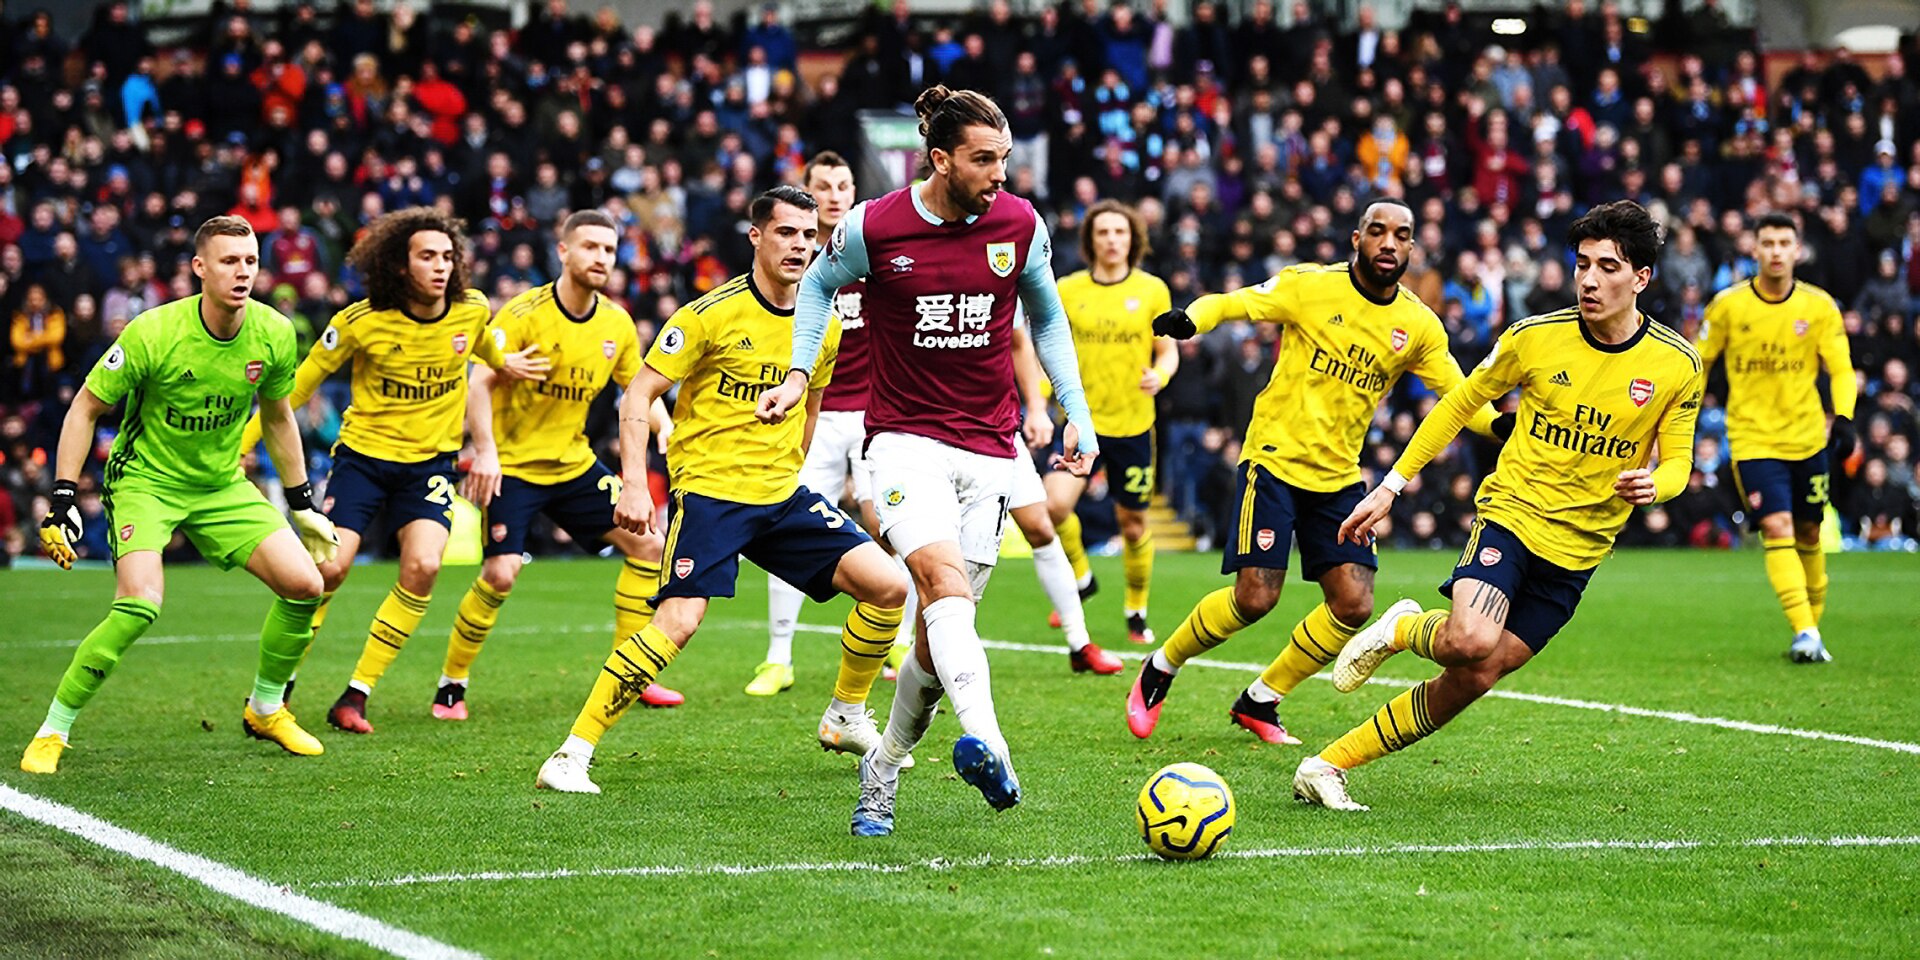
point(498, 532)
point(1800, 328)
point(1489, 556)
point(253, 370)
point(1264, 539)
point(1640, 391)
point(126, 533)
point(459, 343)
point(1000, 259)
point(682, 567)
point(1399, 339)
point(606, 347)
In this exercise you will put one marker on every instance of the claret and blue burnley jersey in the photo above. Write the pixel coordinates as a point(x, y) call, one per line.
point(938, 312)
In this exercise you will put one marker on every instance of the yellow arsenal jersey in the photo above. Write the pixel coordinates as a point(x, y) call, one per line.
point(540, 426)
point(1774, 353)
point(1113, 337)
point(726, 349)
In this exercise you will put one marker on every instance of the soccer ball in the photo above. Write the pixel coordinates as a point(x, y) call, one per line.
point(1186, 812)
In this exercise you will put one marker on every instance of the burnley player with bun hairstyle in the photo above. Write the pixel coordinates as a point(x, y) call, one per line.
point(945, 261)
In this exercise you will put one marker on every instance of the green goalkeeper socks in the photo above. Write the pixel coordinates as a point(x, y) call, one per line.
point(98, 653)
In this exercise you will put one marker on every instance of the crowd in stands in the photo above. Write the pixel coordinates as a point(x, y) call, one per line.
point(1248, 141)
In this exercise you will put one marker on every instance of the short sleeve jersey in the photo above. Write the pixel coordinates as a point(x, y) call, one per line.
point(539, 426)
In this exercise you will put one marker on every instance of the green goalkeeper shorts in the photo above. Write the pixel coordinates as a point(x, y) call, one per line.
point(225, 525)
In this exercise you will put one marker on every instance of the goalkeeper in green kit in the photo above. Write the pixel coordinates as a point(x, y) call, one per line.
point(188, 372)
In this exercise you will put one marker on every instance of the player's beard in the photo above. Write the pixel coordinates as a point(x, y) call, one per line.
point(966, 200)
point(1372, 277)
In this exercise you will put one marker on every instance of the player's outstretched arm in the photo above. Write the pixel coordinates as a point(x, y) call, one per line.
point(634, 511)
point(282, 435)
point(1166, 363)
point(60, 529)
point(842, 262)
point(483, 474)
point(1200, 316)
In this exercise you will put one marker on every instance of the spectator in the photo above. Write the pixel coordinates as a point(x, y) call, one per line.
point(39, 338)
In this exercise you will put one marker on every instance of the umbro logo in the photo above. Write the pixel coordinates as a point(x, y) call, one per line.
point(187, 377)
point(1561, 379)
point(746, 343)
point(902, 264)
point(1337, 320)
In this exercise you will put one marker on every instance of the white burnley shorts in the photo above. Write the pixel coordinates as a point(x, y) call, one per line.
point(1027, 488)
point(835, 457)
point(926, 492)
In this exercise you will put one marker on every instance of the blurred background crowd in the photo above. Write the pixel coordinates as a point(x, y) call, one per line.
point(1249, 137)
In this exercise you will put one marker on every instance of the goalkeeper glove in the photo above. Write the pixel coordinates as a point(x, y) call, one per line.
point(1176, 324)
point(60, 530)
point(1841, 439)
point(315, 530)
point(1503, 426)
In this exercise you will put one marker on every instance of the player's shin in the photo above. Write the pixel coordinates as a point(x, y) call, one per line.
point(783, 612)
point(1396, 726)
point(632, 597)
point(1316, 641)
point(864, 641)
point(479, 610)
point(1813, 562)
point(95, 659)
point(912, 711)
point(1215, 618)
point(630, 669)
point(1056, 575)
point(284, 640)
point(1789, 578)
point(1068, 533)
point(1137, 560)
point(961, 664)
point(399, 615)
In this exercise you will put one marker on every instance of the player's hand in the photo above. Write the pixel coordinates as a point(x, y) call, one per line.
point(634, 511)
point(60, 530)
point(1503, 426)
point(315, 530)
point(1176, 324)
point(1635, 486)
point(525, 364)
point(483, 478)
point(1037, 428)
point(1082, 449)
point(1150, 382)
point(776, 403)
point(1358, 527)
point(1841, 440)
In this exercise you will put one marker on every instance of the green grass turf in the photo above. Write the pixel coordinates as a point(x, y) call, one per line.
point(728, 780)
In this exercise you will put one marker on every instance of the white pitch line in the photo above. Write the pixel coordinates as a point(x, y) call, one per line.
point(231, 881)
point(1077, 859)
point(1674, 715)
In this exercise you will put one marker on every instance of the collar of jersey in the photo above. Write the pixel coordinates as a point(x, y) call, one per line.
point(1102, 283)
point(563, 307)
point(444, 310)
point(927, 215)
point(1621, 347)
point(1792, 285)
point(1357, 288)
point(201, 318)
point(766, 304)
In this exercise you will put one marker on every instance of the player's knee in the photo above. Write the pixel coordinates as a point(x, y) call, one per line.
point(418, 573)
point(1477, 678)
point(1255, 598)
point(1039, 536)
point(1807, 534)
point(1352, 609)
point(500, 577)
point(889, 593)
point(1133, 525)
point(305, 584)
point(1776, 526)
point(333, 573)
point(1474, 641)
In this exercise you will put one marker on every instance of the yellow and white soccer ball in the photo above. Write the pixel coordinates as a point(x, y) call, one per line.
point(1185, 812)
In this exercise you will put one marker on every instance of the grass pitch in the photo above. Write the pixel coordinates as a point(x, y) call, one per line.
point(1558, 827)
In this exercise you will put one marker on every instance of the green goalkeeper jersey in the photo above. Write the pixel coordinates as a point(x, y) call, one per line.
point(189, 393)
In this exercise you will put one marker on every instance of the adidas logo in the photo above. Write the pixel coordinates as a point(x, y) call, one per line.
point(1337, 321)
point(1561, 379)
point(746, 343)
point(187, 377)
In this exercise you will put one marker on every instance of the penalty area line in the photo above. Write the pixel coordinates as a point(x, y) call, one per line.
point(1078, 859)
point(230, 881)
